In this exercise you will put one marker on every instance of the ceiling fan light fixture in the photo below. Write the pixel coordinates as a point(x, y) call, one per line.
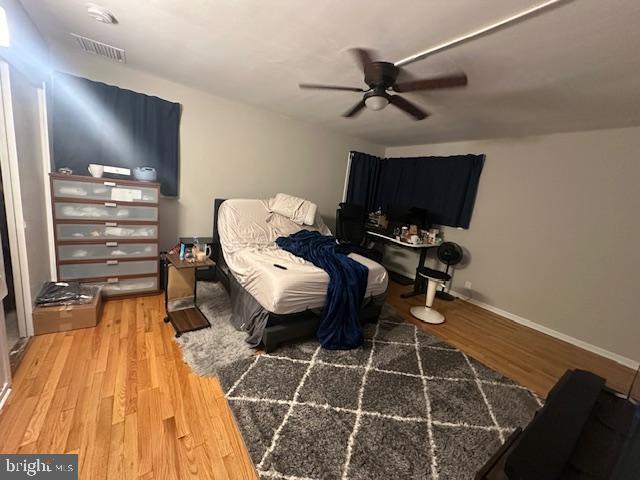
point(376, 102)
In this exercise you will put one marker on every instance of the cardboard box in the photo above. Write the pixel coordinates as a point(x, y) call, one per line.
point(67, 317)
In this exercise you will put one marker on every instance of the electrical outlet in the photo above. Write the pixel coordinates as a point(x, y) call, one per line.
point(467, 285)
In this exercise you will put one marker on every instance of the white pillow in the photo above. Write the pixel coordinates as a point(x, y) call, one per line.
point(298, 210)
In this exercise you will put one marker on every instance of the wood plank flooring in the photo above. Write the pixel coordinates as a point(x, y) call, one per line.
point(121, 397)
point(527, 356)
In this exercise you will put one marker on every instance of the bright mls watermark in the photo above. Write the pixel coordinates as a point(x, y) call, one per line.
point(52, 467)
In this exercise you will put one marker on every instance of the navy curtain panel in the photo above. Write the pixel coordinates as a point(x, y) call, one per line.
point(445, 186)
point(92, 122)
point(363, 180)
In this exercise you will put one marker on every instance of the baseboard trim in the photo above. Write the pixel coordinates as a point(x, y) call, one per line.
point(627, 362)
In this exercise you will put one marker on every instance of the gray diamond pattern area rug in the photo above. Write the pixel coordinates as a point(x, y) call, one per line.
point(404, 406)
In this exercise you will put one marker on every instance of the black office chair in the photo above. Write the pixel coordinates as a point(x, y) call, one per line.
point(350, 230)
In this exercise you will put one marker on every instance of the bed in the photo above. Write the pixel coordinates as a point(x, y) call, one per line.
point(276, 297)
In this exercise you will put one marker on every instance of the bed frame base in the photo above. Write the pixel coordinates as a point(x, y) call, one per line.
point(304, 325)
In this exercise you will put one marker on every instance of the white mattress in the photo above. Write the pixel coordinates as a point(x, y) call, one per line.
point(248, 231)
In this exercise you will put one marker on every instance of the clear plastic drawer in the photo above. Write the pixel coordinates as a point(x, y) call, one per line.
point(107, 191)
point(69, 231)
point(107, 250)
point(107, 211)
point(108, 268)
point(115, 286)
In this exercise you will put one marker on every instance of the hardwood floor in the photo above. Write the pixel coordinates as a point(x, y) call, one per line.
point(121, 397)
point(527, 356)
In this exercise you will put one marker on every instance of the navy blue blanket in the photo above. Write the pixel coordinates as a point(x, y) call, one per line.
point(340, 325)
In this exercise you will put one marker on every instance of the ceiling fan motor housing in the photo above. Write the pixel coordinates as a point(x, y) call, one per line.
point(381, 75)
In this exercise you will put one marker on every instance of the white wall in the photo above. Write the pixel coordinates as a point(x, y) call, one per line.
point(228, 149)
point(28, 51)
point(554, 234)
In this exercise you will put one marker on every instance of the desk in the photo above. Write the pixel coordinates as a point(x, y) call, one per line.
point(422, 247)
point(180, 295)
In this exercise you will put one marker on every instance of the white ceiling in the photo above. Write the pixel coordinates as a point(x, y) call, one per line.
point(576, 67)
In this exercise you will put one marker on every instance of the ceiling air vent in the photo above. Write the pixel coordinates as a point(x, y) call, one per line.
point(100, 49)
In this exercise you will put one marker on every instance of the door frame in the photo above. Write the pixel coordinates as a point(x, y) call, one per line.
point(5, 362)
point(13, 205)
point(5, 366)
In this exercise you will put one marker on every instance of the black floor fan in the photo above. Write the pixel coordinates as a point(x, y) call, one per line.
point(450, 254)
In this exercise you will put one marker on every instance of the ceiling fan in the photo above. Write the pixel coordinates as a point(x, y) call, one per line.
point(381, 78)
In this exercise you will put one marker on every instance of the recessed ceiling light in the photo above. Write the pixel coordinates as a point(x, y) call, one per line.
point(101, 14)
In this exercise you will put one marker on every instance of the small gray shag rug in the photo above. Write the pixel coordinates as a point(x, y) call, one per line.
point(403, 406)
point(209, 349)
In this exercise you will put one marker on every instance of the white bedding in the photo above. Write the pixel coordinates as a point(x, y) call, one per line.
point(248, 231)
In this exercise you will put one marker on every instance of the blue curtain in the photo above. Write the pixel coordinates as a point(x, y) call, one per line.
point(363, 180)
point(92, 122)
point(445, 186)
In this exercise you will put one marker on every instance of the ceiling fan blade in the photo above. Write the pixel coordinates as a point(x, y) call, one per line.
point(445, 81)
point(363, 57)
point(355, 110)
point(405, 105)
point(313, 86)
